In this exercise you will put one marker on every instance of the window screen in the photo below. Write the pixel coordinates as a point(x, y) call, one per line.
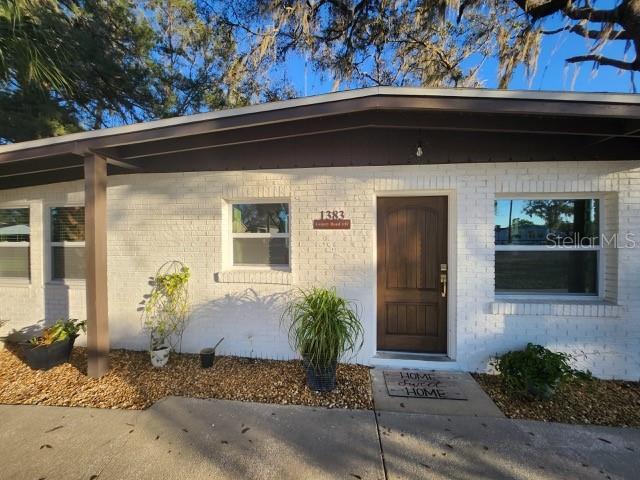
point(15, 238)
point(67, 243)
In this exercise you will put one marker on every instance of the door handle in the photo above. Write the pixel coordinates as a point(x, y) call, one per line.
point(443, 284)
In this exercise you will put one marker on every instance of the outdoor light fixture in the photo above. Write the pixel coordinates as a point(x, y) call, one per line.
point(419, 151)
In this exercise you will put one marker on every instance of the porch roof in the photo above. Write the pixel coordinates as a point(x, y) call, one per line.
point(505, 125)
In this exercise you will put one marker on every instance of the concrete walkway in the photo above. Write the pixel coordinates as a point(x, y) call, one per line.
point(182, 438)
point(457, 447)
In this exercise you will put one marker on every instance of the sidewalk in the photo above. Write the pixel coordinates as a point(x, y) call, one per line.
point(457, 447)
point(182, 438)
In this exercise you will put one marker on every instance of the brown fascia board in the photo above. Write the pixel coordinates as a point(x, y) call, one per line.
point(605, 128)
point(359, 147)
point(107, 139)
point(383, 99)
point(42, 178)
point(41, 164)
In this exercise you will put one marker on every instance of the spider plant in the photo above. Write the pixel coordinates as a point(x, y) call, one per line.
point(54, 345)
point(61, 330)
point(323, 327)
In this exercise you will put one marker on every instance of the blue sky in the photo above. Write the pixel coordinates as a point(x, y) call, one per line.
point(553, 73)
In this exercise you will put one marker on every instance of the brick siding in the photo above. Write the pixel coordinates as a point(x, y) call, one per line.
point(153, 218)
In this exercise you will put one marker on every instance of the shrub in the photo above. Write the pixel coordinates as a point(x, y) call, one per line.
point(536, 372)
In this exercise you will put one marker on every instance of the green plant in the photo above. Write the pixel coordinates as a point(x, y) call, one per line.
point(166, 310)
point(323, 326)
point(536, 372)
point(61, 330)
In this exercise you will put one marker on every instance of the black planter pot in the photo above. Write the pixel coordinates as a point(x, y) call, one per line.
point(207, 356)
point(320, 379)
point(47, 356)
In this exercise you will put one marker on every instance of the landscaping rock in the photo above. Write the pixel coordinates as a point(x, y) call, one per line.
point(591, 402)
point(132, 383)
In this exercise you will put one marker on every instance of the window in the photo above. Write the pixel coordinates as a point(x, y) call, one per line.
point(547, 246)
point(260, 234)
point(67, 243)
point(14, 243)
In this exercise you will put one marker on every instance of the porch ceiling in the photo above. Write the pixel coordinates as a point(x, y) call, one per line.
point(367, 127)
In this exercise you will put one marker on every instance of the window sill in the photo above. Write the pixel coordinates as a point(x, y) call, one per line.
point(256, 275)
point(14, 282)
point(67, 283)
point(560, 308)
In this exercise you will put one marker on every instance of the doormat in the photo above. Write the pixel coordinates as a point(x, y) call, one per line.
point(421, 384)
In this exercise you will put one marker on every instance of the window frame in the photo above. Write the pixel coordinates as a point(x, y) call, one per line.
point(19, 280)
point(600, 278)
point(231, 235)
point(49, 244)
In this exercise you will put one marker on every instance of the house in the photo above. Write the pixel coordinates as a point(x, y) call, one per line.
point(395, 196)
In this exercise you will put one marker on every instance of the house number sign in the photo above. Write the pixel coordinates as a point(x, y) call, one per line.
point(332, 220)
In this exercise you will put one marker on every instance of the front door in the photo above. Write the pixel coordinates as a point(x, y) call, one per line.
point(412, 274)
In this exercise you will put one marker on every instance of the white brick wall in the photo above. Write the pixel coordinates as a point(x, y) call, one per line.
point(155, 218)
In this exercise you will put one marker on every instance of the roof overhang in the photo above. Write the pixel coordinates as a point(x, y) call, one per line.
point(592, 126)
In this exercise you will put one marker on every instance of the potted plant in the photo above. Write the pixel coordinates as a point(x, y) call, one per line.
point(54, 345)
point(159, 346)
point(166, 311)
point(323, 328)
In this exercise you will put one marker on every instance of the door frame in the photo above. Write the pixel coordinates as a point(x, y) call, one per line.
point(452, 270)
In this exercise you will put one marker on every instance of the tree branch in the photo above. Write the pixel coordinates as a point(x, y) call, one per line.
point(538, 9)
point(586, 13)
point(463, 6)
point(610, 62)
point(592, 34)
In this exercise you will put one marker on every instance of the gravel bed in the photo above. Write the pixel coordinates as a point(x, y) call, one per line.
point(595, 402)
point(132, 383)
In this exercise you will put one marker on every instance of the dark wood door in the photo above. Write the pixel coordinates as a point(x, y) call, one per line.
point(412, 263)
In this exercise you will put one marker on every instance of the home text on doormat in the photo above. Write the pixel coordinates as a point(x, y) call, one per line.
point(422, 384)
